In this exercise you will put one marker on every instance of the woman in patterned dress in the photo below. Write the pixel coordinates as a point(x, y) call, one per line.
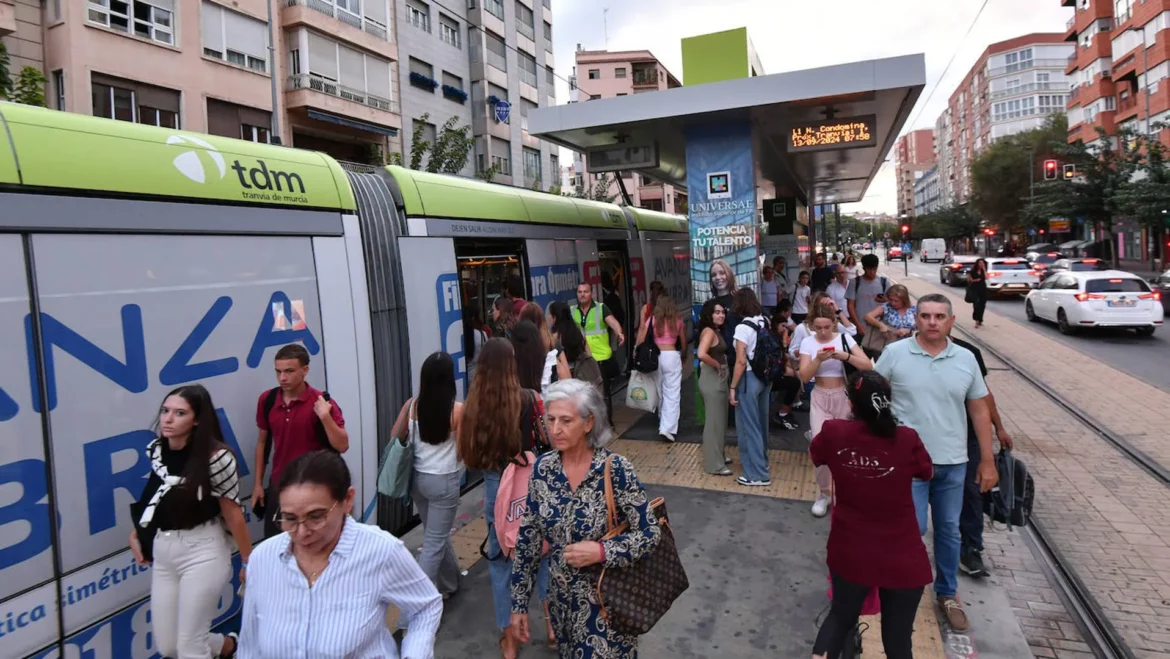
point(566, 508)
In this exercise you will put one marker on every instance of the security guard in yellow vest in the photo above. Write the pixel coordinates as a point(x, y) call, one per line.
point(596, 321)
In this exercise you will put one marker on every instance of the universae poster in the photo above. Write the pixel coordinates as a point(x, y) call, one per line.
point(721, 182)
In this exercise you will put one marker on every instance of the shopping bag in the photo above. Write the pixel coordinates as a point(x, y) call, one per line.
point(642, 392)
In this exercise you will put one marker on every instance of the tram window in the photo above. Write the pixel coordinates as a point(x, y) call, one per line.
point(483, 269)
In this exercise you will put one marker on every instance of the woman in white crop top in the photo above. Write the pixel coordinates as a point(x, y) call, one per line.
point(431, 421)
point(823, 356)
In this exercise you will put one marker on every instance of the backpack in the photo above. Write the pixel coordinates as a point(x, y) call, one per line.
point(512, 503)
point(646, 353)
point(857, 285)
point(767, 360)
point(1010, 502)
point(318, 427)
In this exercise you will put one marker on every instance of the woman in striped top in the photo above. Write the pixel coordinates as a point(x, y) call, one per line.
point(322, 588)
point(191, 495)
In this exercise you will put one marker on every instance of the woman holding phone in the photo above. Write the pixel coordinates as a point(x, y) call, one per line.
point(824, 356)
point(977, 290)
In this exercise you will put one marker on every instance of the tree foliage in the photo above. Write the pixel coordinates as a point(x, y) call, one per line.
point(446, 155)
point(30, 87)
point(599, 191)
point(1001, 175)
point(5, 74)
point(956, 222)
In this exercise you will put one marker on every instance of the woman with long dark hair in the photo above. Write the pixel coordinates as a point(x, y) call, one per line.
point(503, 317)
point(582, 365)
point(713, 376)
point(528, 345)
point(475, 334)
point(874, 540)
point(499, 425)
point(430, 422)
point(977, 290)
point(555, 366)
point(191, 496)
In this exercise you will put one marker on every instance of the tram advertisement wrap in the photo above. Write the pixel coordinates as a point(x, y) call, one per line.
point(721, 180)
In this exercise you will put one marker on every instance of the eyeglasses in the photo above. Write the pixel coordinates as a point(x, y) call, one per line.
point(314, 521)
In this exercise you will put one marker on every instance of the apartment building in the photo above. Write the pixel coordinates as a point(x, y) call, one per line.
point(511, 73)
point(942, 156)
point(1013, 87)
point(22, 31)
point(604, 74)
point(913, 156)
point(927, 198)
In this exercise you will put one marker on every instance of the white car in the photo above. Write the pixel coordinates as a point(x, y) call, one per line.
point(1107, 298)
point(933, 249)
point(1010, 276)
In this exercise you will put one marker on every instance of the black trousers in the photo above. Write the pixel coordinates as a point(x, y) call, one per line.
point(609, 371)
point(899, 606)
point(979, 293)
point(786, 388)
point(271, 508)
point(971, 517)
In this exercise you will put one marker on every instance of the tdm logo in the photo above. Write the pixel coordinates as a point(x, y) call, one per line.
point(260, 177)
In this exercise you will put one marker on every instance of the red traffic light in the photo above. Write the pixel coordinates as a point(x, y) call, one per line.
point(1050, 170)
point(905, 228)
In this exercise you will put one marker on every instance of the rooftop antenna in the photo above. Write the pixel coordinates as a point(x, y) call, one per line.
point(605, 25)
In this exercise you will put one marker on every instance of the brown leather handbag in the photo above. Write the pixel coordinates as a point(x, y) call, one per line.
point(635, 597)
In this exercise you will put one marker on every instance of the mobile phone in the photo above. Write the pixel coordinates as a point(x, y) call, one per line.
point(829, 349)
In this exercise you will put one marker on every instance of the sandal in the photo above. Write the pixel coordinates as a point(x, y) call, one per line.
point(508, 649)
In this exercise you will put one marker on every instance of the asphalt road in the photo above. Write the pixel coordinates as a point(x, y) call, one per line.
point(1144, 358)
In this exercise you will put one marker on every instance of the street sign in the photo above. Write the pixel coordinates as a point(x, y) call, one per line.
point(886, 234)
point(1058, 226)
point(621, 157)
point(827, 134)
point(503, 111)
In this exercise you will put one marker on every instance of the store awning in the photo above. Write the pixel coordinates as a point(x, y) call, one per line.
point(352, 123)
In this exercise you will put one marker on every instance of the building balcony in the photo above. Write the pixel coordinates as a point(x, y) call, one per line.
point(308, 90)
point(7, 18)
point(1070, 29)
point(1098, 9)
point(341, 25)
point(652, 192)
point(647, 77)
point(1127, 108)
point(1029, 88)
point(1027, 65)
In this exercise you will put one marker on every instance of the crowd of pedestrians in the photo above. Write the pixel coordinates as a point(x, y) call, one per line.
point(900, 425)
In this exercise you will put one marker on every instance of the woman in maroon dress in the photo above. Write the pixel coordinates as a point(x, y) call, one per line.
point(874, 539)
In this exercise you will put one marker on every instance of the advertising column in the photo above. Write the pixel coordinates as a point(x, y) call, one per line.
point(721, 182)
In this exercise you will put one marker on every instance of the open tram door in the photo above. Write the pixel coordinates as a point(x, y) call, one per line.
point(617, 294)
point(484, 266)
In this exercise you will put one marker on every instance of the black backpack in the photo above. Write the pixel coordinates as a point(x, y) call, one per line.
point(767, 361)
point(1010, 502)
point(646, 353)
point(270, 402)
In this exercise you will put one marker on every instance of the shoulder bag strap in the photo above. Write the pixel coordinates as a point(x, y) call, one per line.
point(610, 505)
point(538, 421)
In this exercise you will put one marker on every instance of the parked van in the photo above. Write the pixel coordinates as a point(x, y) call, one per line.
point(933, 249)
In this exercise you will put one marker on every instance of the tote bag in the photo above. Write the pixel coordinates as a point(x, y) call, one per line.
point(642, 392)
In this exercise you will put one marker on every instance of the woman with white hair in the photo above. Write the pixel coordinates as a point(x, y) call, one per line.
point(566, 508)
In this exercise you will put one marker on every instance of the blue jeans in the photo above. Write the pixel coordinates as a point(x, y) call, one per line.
point(944, 494)
point(751, 425)
point(500, 567)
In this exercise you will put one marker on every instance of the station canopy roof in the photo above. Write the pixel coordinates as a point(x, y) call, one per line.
point(884, 89)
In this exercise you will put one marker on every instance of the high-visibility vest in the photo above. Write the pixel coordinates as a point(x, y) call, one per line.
point(595, 330)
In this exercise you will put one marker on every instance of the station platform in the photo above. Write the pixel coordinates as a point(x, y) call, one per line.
point(754, 556)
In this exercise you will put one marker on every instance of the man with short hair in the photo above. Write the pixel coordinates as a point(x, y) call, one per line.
point(822, 274)
point(838, 288)
point(769, 291)
point(596, 322)
point(865, 292)
point(296, 419)
point(514, 291)
point(936, 385)
point(780, 267)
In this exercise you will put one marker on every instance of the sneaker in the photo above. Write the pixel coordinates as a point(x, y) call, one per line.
point(743, 480)
point(820, 507)
point(723, 472)
point(726, 461)
point(667, 436)
point(787, 423)
point(953, 611)
point(971, 563)
point(808, 435)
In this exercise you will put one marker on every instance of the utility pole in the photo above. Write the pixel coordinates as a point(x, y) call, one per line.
point(837, 214)
point(274, 126)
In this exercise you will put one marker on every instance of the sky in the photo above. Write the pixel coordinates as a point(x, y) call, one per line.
point(791, 35)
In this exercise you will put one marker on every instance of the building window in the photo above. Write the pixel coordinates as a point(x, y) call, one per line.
point(126, 100)
point(495, 8)
point(594, 74)
point(238, 121)
point(547, 31)
point(497, 52)
point(594, 97)
point(429, 134)
point(554, 167)
point(422, 75)
point(619, 72)
point(623, 94)
point(532, 173)
point(524, 21)
point(418, 14)
point(449, 31)
point(234, 37)
point(546, 3)
point(149, 20)
point(59, 89)
point(502, 156)
point(255, 134)
point(347, 73)
point(527, 69)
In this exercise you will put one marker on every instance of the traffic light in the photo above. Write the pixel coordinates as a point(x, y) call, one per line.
point(1049, 170)
point(905, 228)
point(1069, 172)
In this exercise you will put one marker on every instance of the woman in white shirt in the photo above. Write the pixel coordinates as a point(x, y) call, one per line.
point(322, 588)
point(430, 422)
point(804, 329)
point(823, 356)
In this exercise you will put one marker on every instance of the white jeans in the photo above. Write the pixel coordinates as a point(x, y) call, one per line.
point(191, 569)
point(669, 390)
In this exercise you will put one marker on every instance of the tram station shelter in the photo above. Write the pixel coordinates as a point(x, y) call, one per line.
point(755, 152)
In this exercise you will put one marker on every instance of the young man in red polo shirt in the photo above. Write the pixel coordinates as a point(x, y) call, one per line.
point(299, 420)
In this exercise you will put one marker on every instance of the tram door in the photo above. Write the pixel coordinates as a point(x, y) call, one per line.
point(484, 266)
point(617, 294)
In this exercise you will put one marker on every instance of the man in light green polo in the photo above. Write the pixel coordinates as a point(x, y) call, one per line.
point(596, 321)
point(936, 384)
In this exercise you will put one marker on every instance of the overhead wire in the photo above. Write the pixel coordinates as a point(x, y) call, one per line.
point(958, 46)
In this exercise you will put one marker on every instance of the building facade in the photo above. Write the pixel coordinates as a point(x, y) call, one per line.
point(943, 143)
point(1119, 67)
point(333, 79)
point(1013, 87)
point(602, 74)
point(927, 198)
point(913, 155)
